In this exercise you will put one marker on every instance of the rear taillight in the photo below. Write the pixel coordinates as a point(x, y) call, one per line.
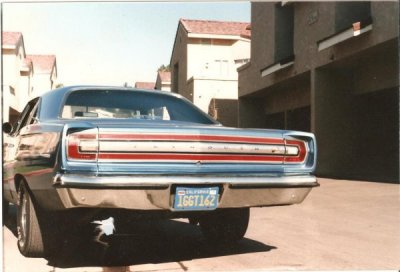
point(82, 145)
point(296, 151)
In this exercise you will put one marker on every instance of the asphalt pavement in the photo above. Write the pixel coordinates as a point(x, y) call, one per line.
point(351, 225)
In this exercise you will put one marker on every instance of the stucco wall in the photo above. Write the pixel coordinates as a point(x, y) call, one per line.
point(204, 60)
point(10, 79)
point(241, 49)
point(312, 23)
point(179, 56)
point(216, 59)
point(164, 86)
point(10, 68)
point(225, 111)
point(352, 88)
point(12, 64)
point(41, 84)
point(357, 134)
point(207, 67)
point(25, 85)
point(206, 89)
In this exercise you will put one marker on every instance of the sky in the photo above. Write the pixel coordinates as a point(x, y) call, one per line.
point(109, 43)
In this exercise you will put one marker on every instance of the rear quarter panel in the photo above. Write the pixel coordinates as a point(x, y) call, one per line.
point(32, 157)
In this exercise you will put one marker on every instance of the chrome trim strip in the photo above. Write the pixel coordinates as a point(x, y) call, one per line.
point(165, 181)
point(197, 147)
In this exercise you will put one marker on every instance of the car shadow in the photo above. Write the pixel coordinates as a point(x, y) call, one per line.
point(10, 221)
point(146, 241)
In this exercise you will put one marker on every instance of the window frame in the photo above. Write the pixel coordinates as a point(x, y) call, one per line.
point(30, 111)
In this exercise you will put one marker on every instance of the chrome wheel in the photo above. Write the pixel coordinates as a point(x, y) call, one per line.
point(22, 220)
point(30, 239)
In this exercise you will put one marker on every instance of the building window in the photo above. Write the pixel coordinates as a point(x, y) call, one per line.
point(284, 30)
point(222, 67)
point(348, 13)
point(12, 90)
point(241, 61)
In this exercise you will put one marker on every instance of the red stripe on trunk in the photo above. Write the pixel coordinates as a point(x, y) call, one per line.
point(190, 157)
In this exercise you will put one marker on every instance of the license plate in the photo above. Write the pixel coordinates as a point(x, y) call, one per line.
point(191, 198)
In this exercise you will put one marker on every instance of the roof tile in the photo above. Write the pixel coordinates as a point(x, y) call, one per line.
point(217, 27)
point(10, 38)
point(165, 76)
point(42, 63)
point(145, 85)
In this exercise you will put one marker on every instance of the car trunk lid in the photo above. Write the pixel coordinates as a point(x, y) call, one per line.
point(182, 149)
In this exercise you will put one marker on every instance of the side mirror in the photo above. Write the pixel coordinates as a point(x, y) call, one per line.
point(7, 127)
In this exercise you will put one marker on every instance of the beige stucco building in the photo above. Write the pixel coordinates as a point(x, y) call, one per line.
point(331, 68)
point(204, 60)
point(24, 76)
point(163, 81)
point(45, 73)
point(17, 75)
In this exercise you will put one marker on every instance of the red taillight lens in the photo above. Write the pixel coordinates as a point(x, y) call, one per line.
point(296, 151)
point(83, 145)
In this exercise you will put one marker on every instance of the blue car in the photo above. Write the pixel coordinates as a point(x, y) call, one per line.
point(83, 153)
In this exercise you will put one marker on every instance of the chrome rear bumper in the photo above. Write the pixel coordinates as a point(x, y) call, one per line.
point(157, 192)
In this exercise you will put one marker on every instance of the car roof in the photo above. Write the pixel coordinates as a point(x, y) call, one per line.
point(64, 90)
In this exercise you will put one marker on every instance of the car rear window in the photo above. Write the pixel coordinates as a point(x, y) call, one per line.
point(131, 104)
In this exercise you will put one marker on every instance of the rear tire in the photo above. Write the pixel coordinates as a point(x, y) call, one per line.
point(30, 236)
point(227, 225)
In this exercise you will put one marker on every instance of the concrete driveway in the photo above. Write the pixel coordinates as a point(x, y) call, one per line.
point(341, 225)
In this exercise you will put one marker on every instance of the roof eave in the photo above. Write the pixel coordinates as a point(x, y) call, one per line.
point(9, 46)
point(176, 37)
point(215, 36)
